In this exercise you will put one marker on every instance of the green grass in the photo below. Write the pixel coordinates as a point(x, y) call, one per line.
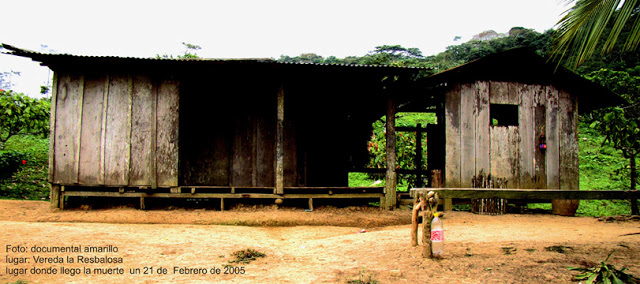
point(602, 167)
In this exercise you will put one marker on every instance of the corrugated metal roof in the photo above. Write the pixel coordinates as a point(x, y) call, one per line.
point(43, 57)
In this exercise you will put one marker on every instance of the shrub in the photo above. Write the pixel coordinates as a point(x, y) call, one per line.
point(10, 161)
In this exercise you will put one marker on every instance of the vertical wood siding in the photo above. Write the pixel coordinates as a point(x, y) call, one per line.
point(511, 152)
point(105, 130)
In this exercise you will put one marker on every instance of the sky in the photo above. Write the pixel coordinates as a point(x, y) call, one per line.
point(251, 28)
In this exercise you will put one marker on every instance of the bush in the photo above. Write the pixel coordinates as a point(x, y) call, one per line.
point(27, 180)
point(10, 161)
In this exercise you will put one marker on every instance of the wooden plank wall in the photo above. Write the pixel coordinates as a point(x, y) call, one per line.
point(511, 152)
point(224, 144)
point(106, 134)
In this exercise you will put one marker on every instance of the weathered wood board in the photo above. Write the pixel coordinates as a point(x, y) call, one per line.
point(91, 138)
point(142, 120)
point(290, 154)
point(264, 173)
point(167, 133)
point(452, 132)
point(553, 146)
point(243, 151)
point(118, 130)
point(540, 118)
point(483, 138)
point(526, 147)
point(68, 111)
point(468, 112)
point(568, 141)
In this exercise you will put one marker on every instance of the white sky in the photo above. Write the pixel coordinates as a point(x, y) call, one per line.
point(252, 28)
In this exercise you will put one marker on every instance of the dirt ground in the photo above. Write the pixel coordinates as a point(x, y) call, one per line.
point(327, 245)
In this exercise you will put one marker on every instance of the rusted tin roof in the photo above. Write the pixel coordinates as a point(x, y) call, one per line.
point(53, 60)
point(525, 66)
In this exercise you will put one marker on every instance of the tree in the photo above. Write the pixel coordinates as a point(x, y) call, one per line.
point(189, 52)
point(22, 114)
point(580, 31)
point(621, 125)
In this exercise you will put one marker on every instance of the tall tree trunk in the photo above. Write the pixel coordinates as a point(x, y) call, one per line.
point(634, 177)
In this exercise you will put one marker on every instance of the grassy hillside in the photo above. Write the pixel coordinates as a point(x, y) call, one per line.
point(602, 167)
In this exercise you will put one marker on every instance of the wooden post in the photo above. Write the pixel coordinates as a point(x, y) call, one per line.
point(55, 196)
point(221, 204)
point(142, 204)
point(280, 143)
point(417, 204)
point(436, 182)
point(61, 199)
point(418, 158)
point(427, 215)
point(390, 184)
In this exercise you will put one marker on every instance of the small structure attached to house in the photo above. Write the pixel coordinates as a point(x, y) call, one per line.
point(257, 128)
point(511, 121)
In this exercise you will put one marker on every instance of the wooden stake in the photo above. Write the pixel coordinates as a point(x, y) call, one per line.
point(417, 204)
point(427, 215)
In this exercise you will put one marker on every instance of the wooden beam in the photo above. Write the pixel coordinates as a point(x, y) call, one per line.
point(473, 193)
point(218, 195)
point(280, 142)
point(332, 188)
point(390, 184)
point(344, 195)
point(170, 195)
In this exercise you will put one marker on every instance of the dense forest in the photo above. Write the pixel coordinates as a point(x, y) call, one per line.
point(608, 138)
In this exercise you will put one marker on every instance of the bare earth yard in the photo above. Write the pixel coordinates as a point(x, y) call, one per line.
point(324, 246)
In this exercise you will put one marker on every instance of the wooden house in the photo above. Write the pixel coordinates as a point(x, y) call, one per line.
point(257, 128)
point(511, 121)
point(211, 128)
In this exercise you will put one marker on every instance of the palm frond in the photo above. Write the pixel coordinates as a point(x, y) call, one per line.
point(581, 28)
